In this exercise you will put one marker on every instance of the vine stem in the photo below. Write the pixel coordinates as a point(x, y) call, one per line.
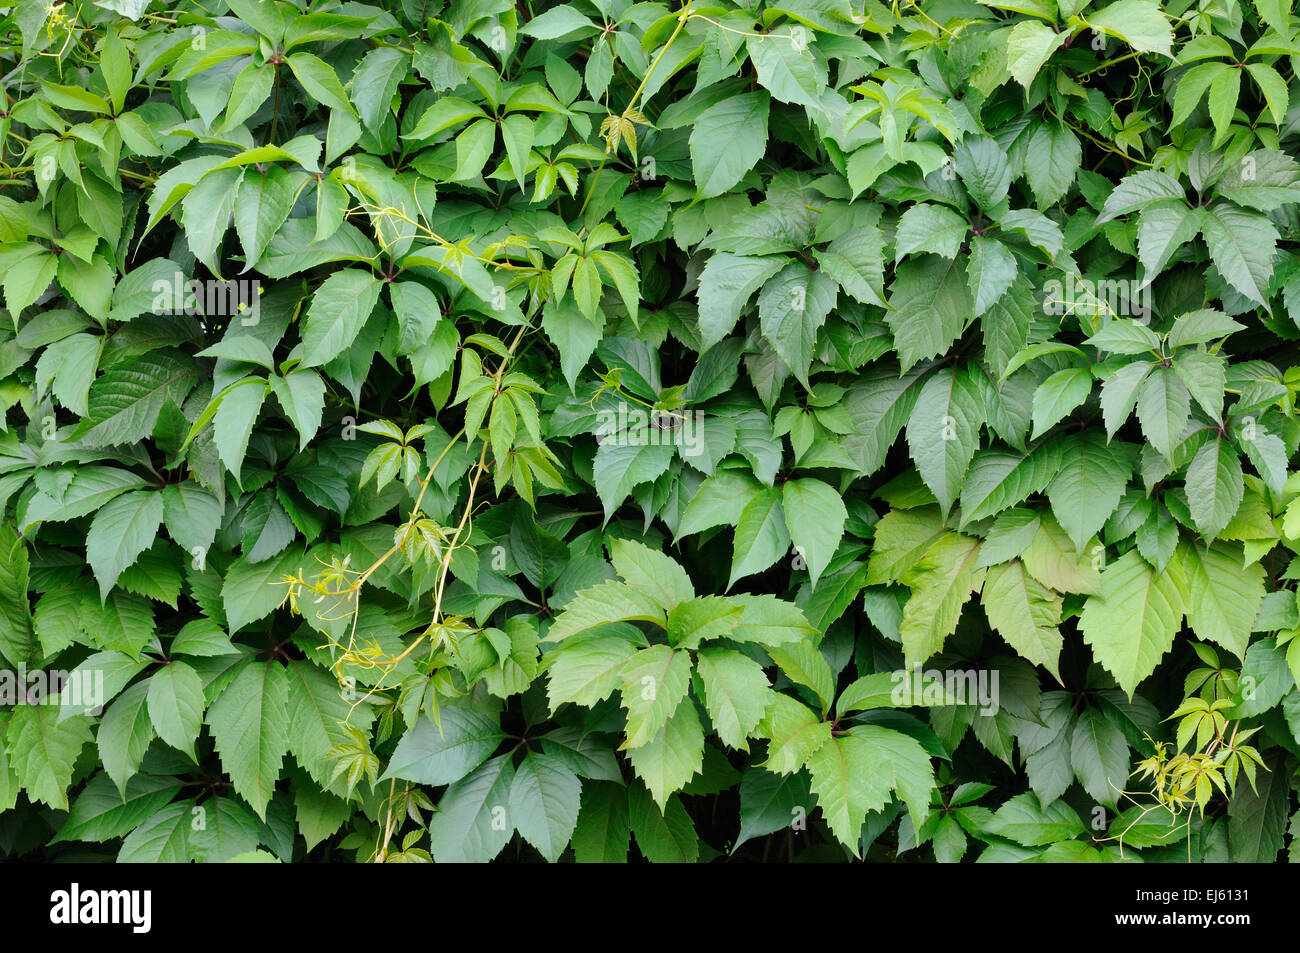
point(681, 22)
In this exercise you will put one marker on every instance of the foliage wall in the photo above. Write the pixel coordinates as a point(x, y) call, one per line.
point(595, 430)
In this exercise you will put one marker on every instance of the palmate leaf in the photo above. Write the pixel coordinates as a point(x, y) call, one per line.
point(391, 534)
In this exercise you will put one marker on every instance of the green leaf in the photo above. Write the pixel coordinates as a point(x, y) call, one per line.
point(761, 535)
point(673, 756)
point(929, 305)
point(374, 83)
point(120, 532)
point(601, 604)
point(735, 693)
point(990, 271)
point(1088, 487)
point(43, 749)
point(1057, 396)
point(664, 836)
point(249, 722)
point(621, 465)
point(997, 479)
point(929, 228)
point(794, 731)
point(125, 401)
point(1026, 820)
point(264, 202)
point(1241, 244)
point(708, 617)
point(302, 395)
point(15, 611)
point(654, 683)
point(790, 71)
point(726, 284)
point(855, 772)
point(1025, 613)
point(162, 839)
point(191, 515)
point(943, 432)
point(651, 572)
point(101, 813)
point(124, 734)
point(338, 310)
point(1052, 160)
point(446, 752)
point(1029, 44)
point(1163, 406)
point(471, 824)
point(727, 141)
point(320, 81)
point(1214, 485)
point(1138, 189)
point(803, 663)
point(544, 801)
point(941, 582)
point(1224, 595)
point(1225, 89)
point(815, 516)
point(585, 670)
point(602, 834)
point(1164, 227)
point(229, 831)
point(253, 590)
point(176, 703)
point(770, 802)
point(1257, 817)
point(1099, 755)
point(792, 307)
point(1132, 623)
point(1119, 394)
point(1139, 23)
point(983, 168)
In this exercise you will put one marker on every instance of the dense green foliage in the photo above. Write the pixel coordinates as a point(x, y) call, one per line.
point(812, 429)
